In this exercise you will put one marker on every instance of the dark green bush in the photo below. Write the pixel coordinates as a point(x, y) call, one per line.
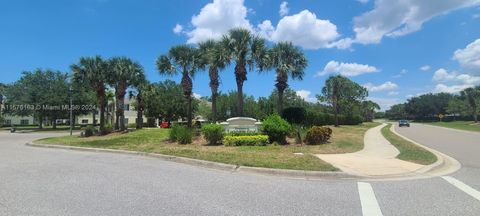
point(213, 133)
point(257, 140)
point(90, 131)
point(276, 128)
point(294, 115)
point(181, 134)
point(318, 135)
point(132, 125)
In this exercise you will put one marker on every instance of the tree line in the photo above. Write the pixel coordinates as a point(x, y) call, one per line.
point(92, 78)
point(439, 106)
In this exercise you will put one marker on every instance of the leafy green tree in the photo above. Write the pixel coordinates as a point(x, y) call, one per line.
point(341, 92)
point(396, 112)
point(124, 73)
point(164, 100)
point(288, 61)
point(457, 107)
point(3, 88)
point(428, 106)
point(245, 49)
point(94, 72)
point(472, 96)
point(43, 91)
point(215, 58)
point(185, 60)
point(368, 110)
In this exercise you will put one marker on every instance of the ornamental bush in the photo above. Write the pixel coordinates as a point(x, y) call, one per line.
point(213, 133)
point(257, 140)
point(318, 135)
point(276, 128)
point(181, 134)
point(90, 131)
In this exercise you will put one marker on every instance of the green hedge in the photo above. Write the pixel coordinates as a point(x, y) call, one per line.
point(257, 140)
point(276, 128)
point(243, 133)
point(318, 119)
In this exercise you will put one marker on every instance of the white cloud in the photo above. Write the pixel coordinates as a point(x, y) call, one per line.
point(178, 29)
point(303, 29)
point(469, 57)
point(363, 1)
point(346, 69)
point(305, 94)
point(393, 93)
point(442, 75)
point(425, 67)
point(451, 89)
point(283, 9)
point(216, 18)
point(475, 16)
point(197, 96)
point(393, 18)
point(387, 86)
point(385, 103)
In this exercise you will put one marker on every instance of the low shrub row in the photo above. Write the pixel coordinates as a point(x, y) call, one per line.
point(317, 118)
point(256, 140)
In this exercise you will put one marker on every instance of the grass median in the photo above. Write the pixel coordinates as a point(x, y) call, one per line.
point(345, 139)
point(408, 151)
point(460, 125)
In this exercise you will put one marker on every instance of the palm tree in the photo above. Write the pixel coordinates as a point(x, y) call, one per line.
point(245, 49)
point(94, 72)
point(182, 59)
point(139, 97)
point(472, 95)
point(124, 73)
point(287, 60)
point(368, 108)
point(215, 58)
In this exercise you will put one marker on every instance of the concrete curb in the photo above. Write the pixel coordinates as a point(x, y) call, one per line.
point(298, 174)
point(443, 166)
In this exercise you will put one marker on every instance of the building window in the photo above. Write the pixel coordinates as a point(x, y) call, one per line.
point(126, 107)
point(24, 122)
point(7, 122)
point(125, 121)
point(84, 121)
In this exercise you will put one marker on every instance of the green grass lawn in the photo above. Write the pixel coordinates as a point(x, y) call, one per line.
point(408, 151)
point(461, 125)
point(345, 139)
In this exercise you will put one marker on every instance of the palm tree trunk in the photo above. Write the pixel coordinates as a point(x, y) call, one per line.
point(335, 110)
point(187, 93)
point(282, 84)
point(94, 118)
point(101, 101)
point(214, 83)
point(240, 76)
point(140, 108)
point(475, 116)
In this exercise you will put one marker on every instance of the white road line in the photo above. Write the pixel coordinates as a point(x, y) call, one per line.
point(462, 186)
point(369, 203)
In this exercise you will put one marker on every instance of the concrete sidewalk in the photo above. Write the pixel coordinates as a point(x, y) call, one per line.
point(376, 159)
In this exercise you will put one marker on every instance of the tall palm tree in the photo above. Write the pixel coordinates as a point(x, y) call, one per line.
point(245, 49)
point(139, 97)
point(124, 73)
point(368, 108)
point(288, 61)
point(186, 60)
point(215, 58)
point(472, 95)
point(94, 72)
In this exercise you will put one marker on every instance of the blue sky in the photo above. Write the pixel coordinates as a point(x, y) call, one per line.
point(397, 49)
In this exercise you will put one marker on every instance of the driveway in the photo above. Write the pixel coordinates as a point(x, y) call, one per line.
point(40, 181)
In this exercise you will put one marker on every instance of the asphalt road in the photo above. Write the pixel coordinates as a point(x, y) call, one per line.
point(40, 181)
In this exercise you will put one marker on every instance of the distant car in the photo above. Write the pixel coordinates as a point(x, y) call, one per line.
point(402, 123)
